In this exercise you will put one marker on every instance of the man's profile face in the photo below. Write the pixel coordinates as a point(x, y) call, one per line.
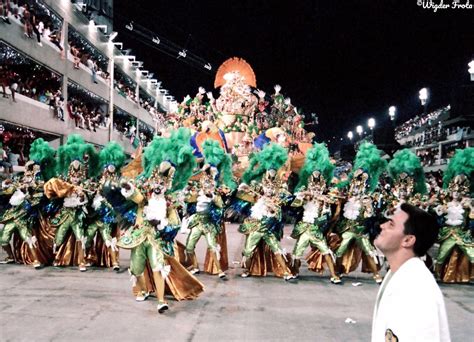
point(391, 236)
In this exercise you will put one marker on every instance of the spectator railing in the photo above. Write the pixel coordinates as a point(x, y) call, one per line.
point(418, 124)
point(40, 116)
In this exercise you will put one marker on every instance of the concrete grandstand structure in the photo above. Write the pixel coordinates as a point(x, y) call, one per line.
point(38, 116)
point(435, 136)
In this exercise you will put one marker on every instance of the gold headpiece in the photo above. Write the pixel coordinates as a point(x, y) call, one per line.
point(272, 181)
point(317, 181)
point(31, 171)
point(208, 180)
point(162, 177)
point(77, 171)
point(460, 183)
point(405, 182)
point(359, 181)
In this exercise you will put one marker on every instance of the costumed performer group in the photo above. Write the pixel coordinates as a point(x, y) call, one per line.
point(78, 206)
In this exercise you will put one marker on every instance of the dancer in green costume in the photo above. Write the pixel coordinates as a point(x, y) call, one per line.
point(77, 165)
point(168, 165)
point(311, 195)
point(26, 195)
point(264, 187)
point(216, 177)
point(458, 215)
point(103, 219)
point(409, 180)
point(359, 207)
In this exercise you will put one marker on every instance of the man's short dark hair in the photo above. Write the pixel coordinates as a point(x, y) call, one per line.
point(423, 226)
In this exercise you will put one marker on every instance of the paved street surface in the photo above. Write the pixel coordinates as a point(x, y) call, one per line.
point(62, 304)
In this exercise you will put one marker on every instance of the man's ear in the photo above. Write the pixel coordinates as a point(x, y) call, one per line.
point(408, 241)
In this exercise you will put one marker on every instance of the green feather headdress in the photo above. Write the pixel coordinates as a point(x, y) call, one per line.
point(175, 149)
point(408, 162)
point(369, 159)
point(75, 149)
point(112, 154)
point(153, 155)
point(317, 159)
point(182, 157)
point(215, 155)
point(273, 156)
point(462, 163)
point(43, 154)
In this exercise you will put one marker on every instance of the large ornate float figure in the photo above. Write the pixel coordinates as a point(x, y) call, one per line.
point(455, 261)
point(25, 201)
point(312, 195)
point(236, 104)
point(358, 210)
point(77, 165)
point(216, 179)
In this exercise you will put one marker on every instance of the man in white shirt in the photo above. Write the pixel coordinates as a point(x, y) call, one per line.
point(410, 305)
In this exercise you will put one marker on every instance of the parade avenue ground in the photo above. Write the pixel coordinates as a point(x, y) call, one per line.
point(62, 304)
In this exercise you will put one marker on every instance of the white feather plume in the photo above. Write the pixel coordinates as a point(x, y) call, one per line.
point(203, 203)
point(352, 209)
point(311, 211)
point(259, 209)
point(156, 210)
point(98, 199)
point(17, 198)
point(455, 214)
point(73, 201)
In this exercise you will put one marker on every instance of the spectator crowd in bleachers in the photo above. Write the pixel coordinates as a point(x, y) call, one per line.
point(419, 121)
point(19, 75)
point(432, 135)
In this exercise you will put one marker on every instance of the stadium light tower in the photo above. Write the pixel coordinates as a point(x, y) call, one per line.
point(391, 112)
point(350, 135)
point(423, 95)
point(471, 69)
point(371, 123)
point(359, 130)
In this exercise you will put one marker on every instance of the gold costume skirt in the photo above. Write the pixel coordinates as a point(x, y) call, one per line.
point(209, 265)
point(263, 260)
point(457, 268)
point(181, 284)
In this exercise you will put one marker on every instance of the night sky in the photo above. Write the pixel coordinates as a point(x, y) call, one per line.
point(344, 60)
